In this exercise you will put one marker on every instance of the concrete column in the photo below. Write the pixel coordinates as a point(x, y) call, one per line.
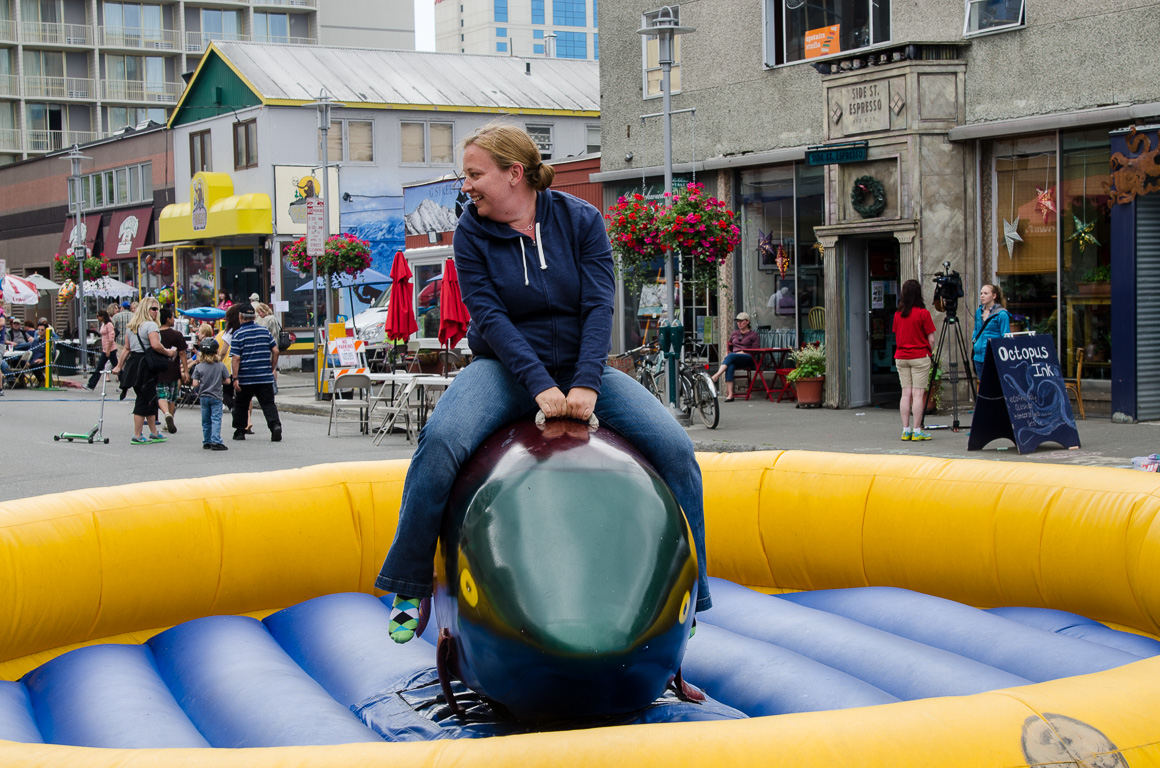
point(836, 342)
point(909, 261)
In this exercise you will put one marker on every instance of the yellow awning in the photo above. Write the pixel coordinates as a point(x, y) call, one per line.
point(215, 211)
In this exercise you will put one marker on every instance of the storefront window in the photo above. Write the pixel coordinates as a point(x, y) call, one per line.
point(299, 313)
point(1053, 243)
point(197, 283)
point(781, 268)
point(1026, 206)
point(1085, 263)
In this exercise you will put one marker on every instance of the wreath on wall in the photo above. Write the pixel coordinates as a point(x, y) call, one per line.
point(868, 185)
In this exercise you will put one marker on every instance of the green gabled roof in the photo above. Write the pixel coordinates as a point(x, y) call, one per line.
point(215, 89)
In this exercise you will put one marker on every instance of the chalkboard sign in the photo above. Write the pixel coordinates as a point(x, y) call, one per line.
point(1022, 396)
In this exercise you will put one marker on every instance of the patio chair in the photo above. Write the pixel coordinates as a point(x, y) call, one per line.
point(358, 387)
point(1075, 387)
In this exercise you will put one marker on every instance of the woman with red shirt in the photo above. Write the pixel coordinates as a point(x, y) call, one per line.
point(914, 342)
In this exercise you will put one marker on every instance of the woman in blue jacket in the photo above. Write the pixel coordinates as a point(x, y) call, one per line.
point(991, 322)
point(535, 268)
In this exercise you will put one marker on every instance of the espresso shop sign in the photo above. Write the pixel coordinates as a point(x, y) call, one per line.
point(865, 107)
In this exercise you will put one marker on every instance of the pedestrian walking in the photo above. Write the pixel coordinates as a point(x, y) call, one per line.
point(254, 357)
point(108, 336)
point(142, 330)
point(169, 381)
point(210, 376)
point(914, 343)
point(121, 322)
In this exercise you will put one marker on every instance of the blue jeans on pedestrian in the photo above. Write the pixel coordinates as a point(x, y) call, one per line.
point(485, 396)
point(211, 420)
point(736, 360)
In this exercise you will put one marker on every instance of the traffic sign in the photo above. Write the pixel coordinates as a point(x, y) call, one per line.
point(315, 226)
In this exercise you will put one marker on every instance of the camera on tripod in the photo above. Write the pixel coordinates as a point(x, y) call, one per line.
point(948, 289)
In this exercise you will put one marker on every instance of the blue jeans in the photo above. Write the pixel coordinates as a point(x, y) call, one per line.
point(737, 360)
point(211, 420)
point(484, 397)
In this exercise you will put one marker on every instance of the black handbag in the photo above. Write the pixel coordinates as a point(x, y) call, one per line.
point(155, 362)
point(285, 339)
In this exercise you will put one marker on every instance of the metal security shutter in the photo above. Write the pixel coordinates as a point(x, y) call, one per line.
point(1148, 307)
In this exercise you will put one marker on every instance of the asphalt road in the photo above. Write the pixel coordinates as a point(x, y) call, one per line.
point(33, 463)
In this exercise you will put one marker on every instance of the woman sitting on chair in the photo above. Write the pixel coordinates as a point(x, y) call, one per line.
point(740, 340)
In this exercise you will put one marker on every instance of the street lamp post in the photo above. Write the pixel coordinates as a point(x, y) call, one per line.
point(323, 105)
point(80, 252)
point(664, 27)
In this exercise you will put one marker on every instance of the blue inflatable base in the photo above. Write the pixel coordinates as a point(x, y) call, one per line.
point(326, 672)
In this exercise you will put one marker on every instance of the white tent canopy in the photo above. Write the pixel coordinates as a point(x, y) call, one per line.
point(42, 283)
point(108, 288)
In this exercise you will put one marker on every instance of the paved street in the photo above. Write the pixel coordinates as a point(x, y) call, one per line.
point(34, 463)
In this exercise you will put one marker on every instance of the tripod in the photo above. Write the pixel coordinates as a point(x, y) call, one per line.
point(958, 351)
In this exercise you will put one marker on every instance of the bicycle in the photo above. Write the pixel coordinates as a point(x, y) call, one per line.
point(649, 365)
point(697, 392)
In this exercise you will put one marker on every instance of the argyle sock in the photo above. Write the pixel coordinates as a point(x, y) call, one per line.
point(404, 618)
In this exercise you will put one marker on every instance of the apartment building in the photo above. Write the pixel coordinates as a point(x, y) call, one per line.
point(565, 29)
point(74, 71)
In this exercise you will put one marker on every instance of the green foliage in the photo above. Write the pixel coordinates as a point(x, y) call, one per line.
point(809, 362)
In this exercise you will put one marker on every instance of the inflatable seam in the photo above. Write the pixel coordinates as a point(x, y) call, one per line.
point(100, 550)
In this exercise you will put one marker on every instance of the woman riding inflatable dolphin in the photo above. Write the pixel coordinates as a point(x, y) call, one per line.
point(535, 266)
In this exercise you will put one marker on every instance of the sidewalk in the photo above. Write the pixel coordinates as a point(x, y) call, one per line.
point(761, 425)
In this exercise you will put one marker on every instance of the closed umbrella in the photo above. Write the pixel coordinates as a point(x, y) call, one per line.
point(454, 317)
point(401, 321)
point(18, 290)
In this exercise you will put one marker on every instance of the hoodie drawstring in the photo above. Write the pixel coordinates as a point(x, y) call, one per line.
point(524, 259)
point(539, 250)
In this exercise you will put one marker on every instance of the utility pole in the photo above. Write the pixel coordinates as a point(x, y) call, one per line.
point(79, 251)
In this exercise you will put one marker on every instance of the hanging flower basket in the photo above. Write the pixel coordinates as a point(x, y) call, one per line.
point(698, 228)
point(66, 266)
point(344, 253)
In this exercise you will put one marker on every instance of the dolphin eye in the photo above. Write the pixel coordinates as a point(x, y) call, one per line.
point(684, 608)
point(469, 593)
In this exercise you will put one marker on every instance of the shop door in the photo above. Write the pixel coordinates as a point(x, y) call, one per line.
point(882, 262)
point(858, 321)
point(1147, 307)
point(240, 274)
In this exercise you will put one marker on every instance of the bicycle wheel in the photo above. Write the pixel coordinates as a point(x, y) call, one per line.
point(706, 399)
point(646, 379)
point(687, 399)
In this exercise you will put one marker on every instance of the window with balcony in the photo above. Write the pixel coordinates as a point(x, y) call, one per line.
point(426, 143)
point(569, 13)
point(220, 25)
point(245, 144)
point(44, 74)
point(45, 127)
point(987, 16)
point(132, 25)
point(117, 118)
point(200, 152)
point(137, 78)
point(800, 30)
point(542, 135)
point(652, 57)
point(272, 27)
point(349, 141)
point(42, 11)
point(572, 45)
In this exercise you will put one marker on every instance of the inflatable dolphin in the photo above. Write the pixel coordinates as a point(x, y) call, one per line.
point(566, 575)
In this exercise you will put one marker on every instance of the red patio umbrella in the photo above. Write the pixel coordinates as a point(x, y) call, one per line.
point(401, 321)
point(453, 317)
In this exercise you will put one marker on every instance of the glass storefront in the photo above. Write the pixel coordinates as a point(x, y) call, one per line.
point(1051, 235)
point(781, 267)
point(197, 283)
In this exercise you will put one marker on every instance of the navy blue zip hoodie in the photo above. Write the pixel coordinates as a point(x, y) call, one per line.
point(543, 308)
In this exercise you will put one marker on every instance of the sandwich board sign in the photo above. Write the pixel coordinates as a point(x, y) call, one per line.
point(1022, 396)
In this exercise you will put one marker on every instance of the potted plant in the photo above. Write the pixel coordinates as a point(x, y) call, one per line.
point(808, 374)
point(1097, 281)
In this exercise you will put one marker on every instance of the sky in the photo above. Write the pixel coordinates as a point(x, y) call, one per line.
point(424, 25)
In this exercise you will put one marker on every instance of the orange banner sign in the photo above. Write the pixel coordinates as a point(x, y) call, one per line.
point(823, 41)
